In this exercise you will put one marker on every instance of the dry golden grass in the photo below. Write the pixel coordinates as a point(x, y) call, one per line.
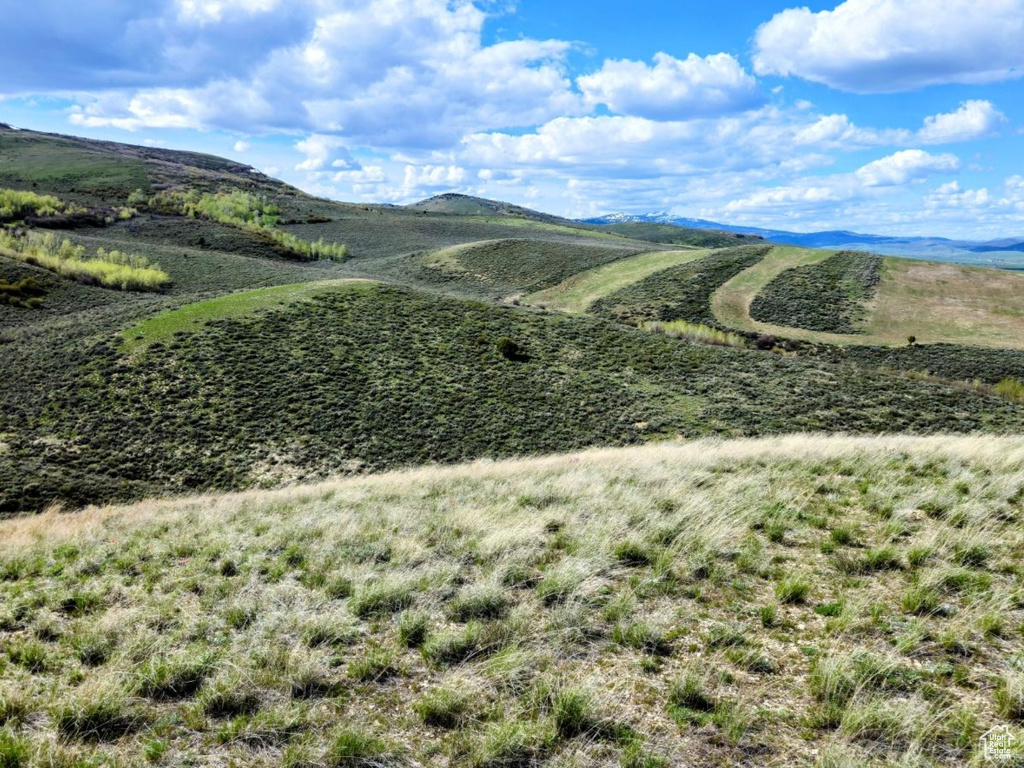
point(932, 301)
point(948, 303)
point(777, 602)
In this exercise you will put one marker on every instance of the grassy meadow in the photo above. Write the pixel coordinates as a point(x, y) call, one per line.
point(801, 600)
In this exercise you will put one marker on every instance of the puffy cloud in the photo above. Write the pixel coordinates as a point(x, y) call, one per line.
point(1010, 202)
point(839, 132)
point(433, 177)
point(388, 73)
point(242, 146)
point(673, 88)
point(905, 167)
point(884, 46)
point(370, 174)
point(322, 151)
point(770, 139)
point(974, 120)
point(804, 197)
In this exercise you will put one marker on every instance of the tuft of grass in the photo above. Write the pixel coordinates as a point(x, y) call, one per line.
point(93, 648)
point(634, 554)
point(453, 647)
point(634, 756)
point(513, 743)
point(15, 706)
point(331, 630)
point(574, 713)
point(1010, 696)
point(691, 693)
point(413, 628)
point(886, 722)
point(30, 654)
point(443, 707)
point(920, 600)
point(558, 586)
point(177, 676)
point(793, 590)
point(643, 637)
point(351, 748)
point(230, 696)
point(99, 716)
point(339, 587)
point(382, 599)
point(15, 750)
point(479, 603)
point(377, 665)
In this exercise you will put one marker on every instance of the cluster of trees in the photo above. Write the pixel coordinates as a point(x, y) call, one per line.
point(245, 211)
point(109, 269)
point(17, 205)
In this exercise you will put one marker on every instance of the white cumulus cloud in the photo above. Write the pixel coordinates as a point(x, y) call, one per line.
point(974, 120)
point(387, 73)
point(904, 167)
point(885, 46)
point(673, 88)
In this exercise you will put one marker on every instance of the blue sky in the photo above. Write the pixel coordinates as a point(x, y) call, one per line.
point(887, 116)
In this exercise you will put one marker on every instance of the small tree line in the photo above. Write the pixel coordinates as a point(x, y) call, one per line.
point(243, 210)
point(109, 269)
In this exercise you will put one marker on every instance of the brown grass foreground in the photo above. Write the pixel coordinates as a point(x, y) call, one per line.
point(802, 600)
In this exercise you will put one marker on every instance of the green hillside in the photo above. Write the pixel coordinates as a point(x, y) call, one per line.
point(372, 377)
point(800, 600)
point(455, 329)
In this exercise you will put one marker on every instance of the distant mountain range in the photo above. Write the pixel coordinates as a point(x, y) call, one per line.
point(1006, 252)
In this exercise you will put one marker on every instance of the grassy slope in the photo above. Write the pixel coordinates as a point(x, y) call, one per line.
point(515, 266)
point(373, 377)
point(793, 601)
point(830, 296)
point(164, 326)
point(682, 292)
point(937, 303)
point(948, 303)
point(66, 167)
point(578, 292)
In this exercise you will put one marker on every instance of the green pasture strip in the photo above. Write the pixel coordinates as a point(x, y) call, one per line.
point(578, 292)
point(164, 325)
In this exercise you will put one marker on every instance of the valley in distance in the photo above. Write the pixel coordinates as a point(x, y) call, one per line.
point(292, 482)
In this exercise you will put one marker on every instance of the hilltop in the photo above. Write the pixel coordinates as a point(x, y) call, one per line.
point(284, 338)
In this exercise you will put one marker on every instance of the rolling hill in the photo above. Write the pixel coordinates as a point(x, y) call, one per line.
point(451, 330)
